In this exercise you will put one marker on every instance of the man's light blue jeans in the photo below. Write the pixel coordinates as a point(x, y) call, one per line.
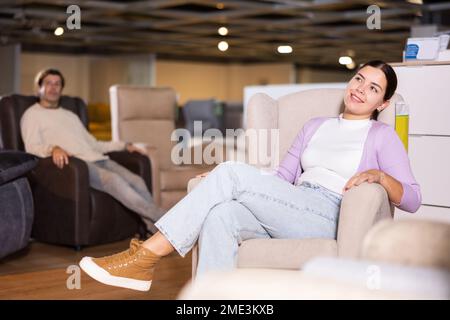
point(126, 187)
point(236, 202)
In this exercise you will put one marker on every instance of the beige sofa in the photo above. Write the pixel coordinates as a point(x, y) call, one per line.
point(147, 115)
point(403, 259)
point(361, 207)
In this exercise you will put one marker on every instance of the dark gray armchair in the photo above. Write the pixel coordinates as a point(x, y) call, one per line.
point(206, 111)
point(16, 200)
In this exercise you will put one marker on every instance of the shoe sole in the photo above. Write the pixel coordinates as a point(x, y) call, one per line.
point(101, 275)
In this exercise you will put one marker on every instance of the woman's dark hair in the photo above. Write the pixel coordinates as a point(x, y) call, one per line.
point(42, 74)
point(391, 79)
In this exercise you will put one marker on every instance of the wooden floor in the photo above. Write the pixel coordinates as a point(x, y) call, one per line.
point(39, 272)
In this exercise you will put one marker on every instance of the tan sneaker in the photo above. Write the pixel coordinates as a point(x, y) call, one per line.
point(132, 268)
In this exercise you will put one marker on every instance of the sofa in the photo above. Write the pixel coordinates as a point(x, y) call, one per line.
point(16, 200)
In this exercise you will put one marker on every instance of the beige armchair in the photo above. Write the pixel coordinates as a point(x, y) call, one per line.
point(147, 115)
point(361, 207)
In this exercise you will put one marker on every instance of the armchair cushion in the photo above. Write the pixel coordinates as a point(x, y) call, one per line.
point(414, 280)
point(14, 164)
point(270, 284)
point(177, 178)
point(409, 242)
point(283, 253)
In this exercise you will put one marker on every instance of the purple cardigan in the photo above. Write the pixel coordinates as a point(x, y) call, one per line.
point(383, 150)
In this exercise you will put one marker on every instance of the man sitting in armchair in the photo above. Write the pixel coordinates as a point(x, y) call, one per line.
point(50, 130)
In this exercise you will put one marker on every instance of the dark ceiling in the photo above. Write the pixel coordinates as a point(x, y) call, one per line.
point(318, 30)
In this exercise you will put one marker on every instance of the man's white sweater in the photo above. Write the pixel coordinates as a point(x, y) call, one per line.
point(44, 128)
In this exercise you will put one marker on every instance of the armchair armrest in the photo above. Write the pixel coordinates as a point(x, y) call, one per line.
point(136, 163)
point(60, 197)
point(152, 153)
point(193, 183)
point(14, 164)
point(361, 207)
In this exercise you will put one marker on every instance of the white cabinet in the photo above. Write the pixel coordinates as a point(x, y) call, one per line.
point(426, 89)
point(430, 161)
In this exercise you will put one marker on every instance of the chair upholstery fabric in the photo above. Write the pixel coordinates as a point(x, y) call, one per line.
point(16, 201)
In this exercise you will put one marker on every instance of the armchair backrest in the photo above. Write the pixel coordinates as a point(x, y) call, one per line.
point(12, 108)
point(289, 113)
point(201, 110)
point(144, 114)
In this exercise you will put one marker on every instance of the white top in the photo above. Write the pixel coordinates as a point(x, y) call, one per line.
point(334, 152)
point(44, 128)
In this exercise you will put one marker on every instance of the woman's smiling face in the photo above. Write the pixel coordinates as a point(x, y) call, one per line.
point(365, 93)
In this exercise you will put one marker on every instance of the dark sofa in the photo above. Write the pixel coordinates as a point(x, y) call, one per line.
point(16, 200)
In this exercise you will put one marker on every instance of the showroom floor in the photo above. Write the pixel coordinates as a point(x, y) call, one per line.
point(44, 271)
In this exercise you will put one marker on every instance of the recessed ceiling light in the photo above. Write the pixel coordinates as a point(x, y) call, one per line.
point(351, 65)
point(223, 31)
point(223, 46)
point(345, 60)
point(284, 49)
point(59, 31)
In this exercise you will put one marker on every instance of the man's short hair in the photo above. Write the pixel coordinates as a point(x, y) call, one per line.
point(43, 73)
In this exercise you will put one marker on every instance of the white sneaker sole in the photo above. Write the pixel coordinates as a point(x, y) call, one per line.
point(101, 275)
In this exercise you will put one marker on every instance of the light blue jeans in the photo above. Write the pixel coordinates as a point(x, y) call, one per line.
point(126, 187)
point(236, 202)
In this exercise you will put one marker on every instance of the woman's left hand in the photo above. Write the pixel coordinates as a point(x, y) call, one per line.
point(370, 176)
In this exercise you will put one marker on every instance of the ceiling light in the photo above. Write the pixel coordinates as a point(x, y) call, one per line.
point(223, 31)
point(345, 60)
point(351, 65)
point(59, 31)
point(220, 6)
point(284, 49)
point(223, 46)
point(415, 1)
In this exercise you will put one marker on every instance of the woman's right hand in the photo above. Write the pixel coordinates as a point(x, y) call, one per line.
point(202, 175)
point(60, 157)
